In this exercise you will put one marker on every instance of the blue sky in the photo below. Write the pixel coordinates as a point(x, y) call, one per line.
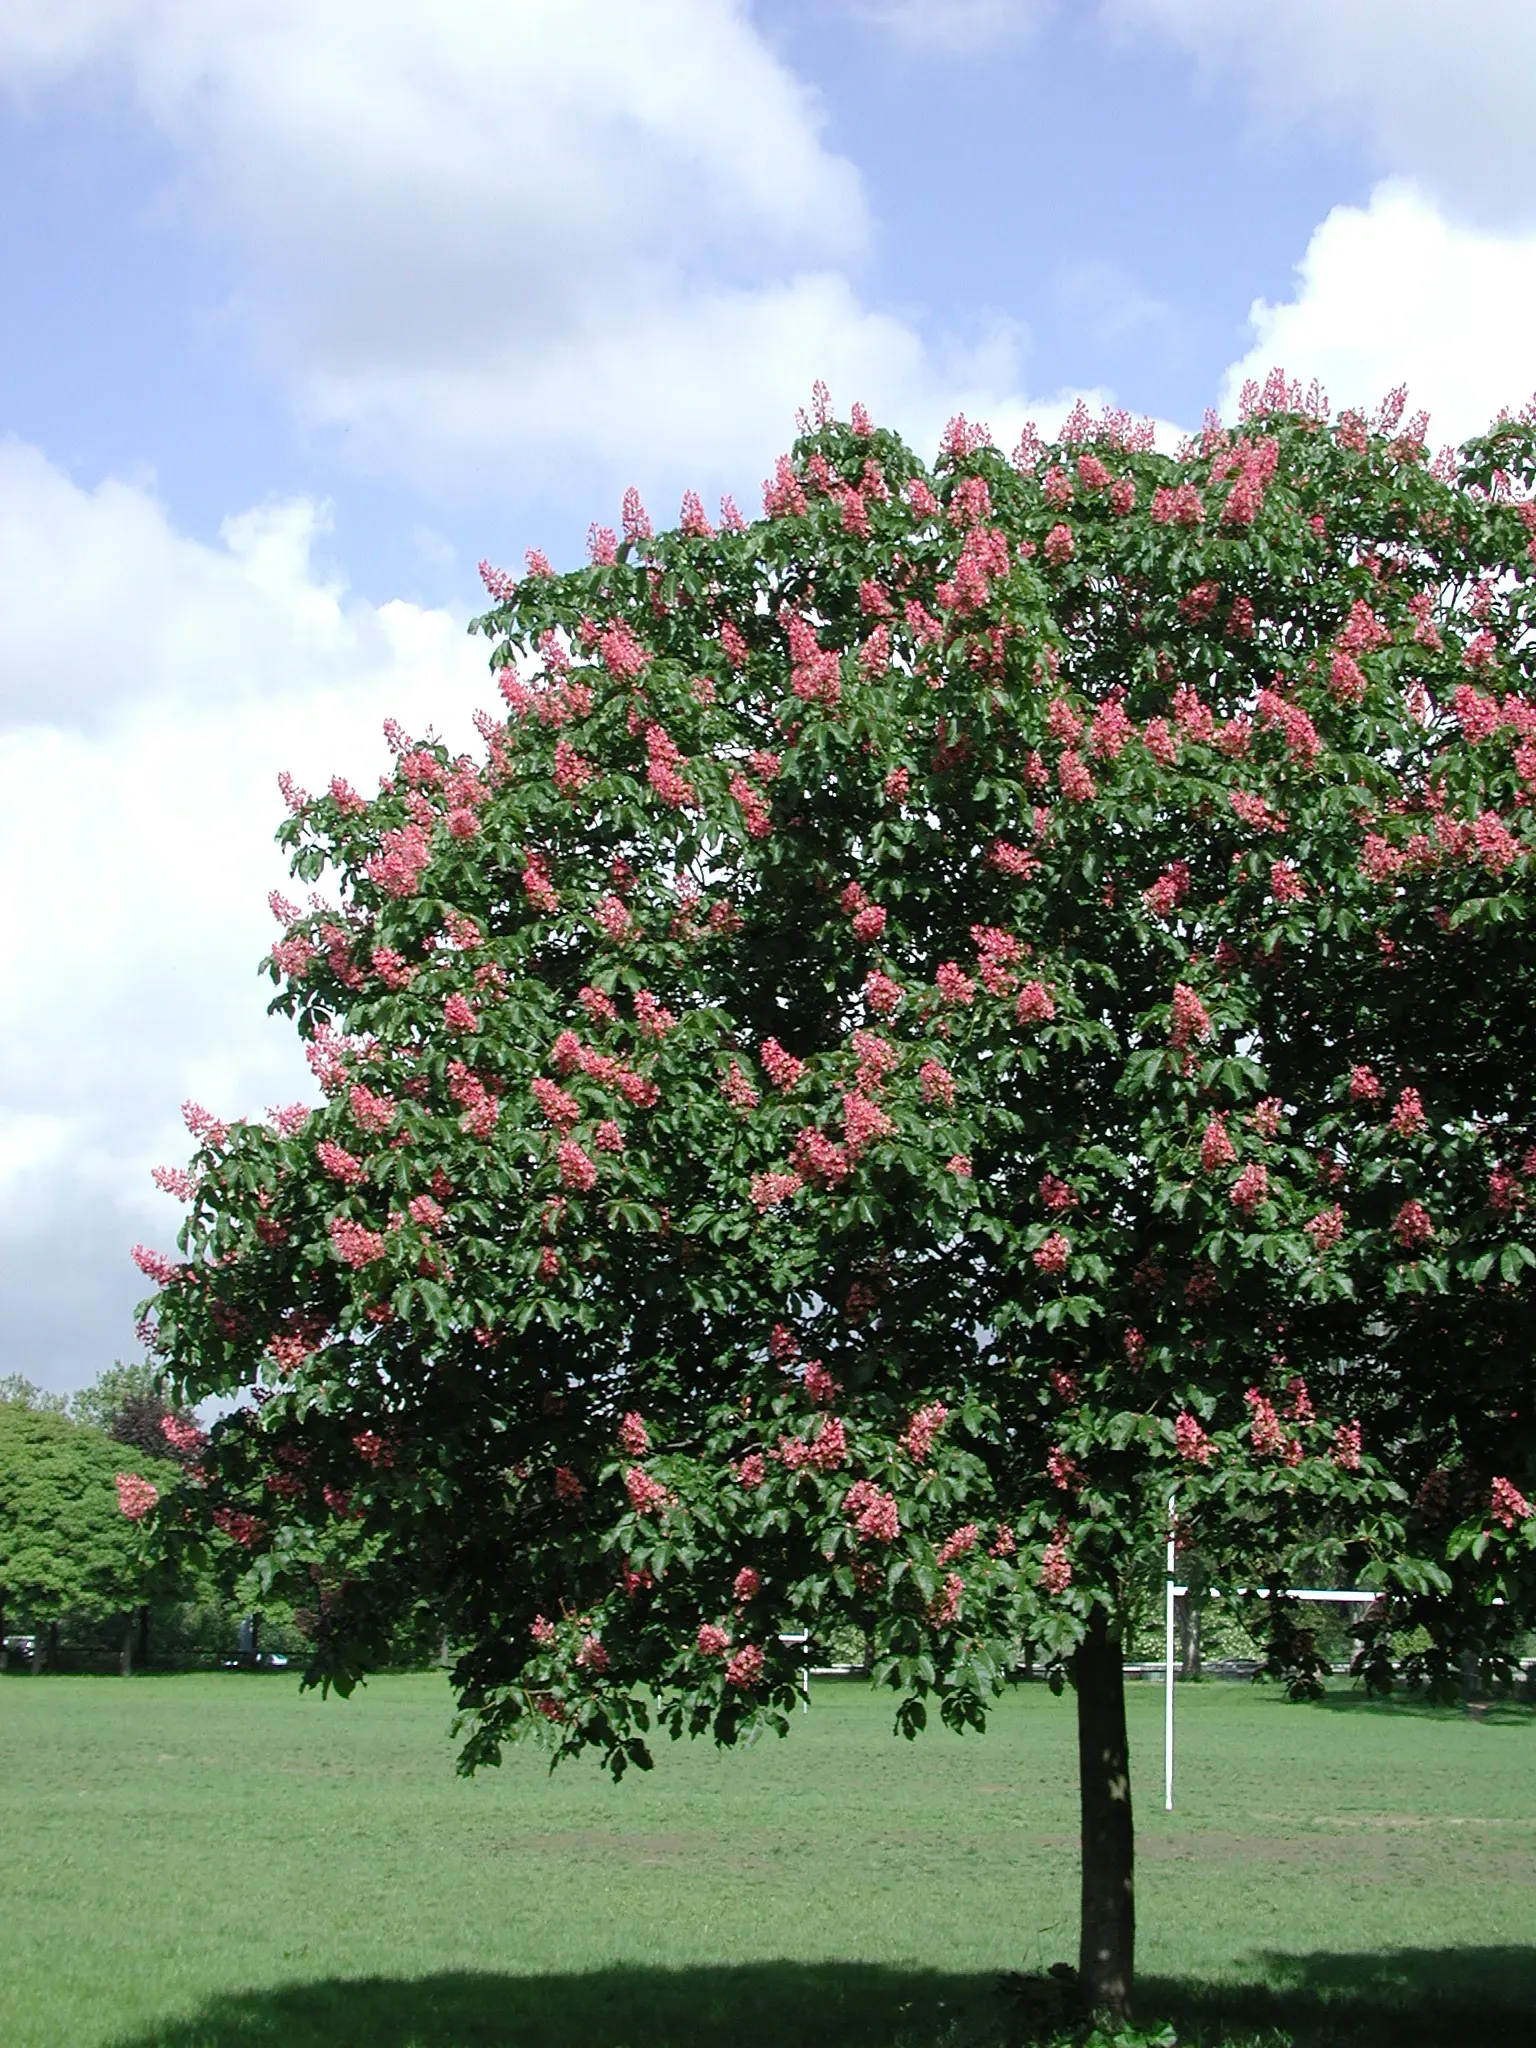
point(304, 307)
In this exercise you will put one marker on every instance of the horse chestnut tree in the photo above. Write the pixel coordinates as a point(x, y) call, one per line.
point(939, 1018)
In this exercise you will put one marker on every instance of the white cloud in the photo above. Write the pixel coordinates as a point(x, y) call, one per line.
point(1436, 91)
point(567, 242)
point(1394, 293)
point(162, 685)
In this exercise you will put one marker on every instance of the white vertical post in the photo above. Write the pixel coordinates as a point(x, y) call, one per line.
point(1168, 1674)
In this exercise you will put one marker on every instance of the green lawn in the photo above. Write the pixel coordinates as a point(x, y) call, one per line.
point(217, 1862)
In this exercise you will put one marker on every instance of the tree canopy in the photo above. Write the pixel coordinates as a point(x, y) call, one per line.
point(941, 1016)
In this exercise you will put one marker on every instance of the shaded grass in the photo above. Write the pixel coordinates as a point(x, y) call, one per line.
point(214, 1862)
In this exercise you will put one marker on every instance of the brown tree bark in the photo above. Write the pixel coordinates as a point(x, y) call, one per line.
point(1107, 1949)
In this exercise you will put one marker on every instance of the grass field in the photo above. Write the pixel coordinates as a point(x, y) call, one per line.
point(217, 1862)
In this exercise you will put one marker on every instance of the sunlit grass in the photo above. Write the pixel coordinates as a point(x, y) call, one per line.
point(216, 1860)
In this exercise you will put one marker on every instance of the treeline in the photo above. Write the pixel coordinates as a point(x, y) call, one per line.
point(79, 1588)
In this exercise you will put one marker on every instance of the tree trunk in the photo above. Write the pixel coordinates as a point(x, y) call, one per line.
point(142, 1652)
point(1107, 1951)
point(125, 1654)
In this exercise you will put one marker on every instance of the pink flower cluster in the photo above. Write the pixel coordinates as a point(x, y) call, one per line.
point(957, 1544)
point(1506, 1502)
point(647, 1496)
point(745, 1668)
point(1190, 1439)
point(135, 1496)
point(736, 1088)
point(397, 867)
point(1053, 1254)
point(1056, 1564)
point(917, 1439)
point(782, 1068)
point(356, 1246)
point(340, 1164)
point(875, 1514)
point(712, 1640)
point(1251, 1187)
point(165, 1272)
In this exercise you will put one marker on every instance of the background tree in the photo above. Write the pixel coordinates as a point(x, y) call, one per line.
point(908, 1047)
point(132, 1404)
point(70, 1499)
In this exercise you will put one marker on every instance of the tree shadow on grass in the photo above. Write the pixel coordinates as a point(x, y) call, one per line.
point(1401, 1998)
point(1384, 1998)
point(1500, 1709)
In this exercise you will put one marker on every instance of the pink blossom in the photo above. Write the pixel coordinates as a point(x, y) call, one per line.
point(782, 1068)
point(1411, 1226)
point(1285, 882)
point(1216, 1148)
point(1346, 1446)
point(239, 1527)
point(203, 1125)
point(1189, 1019)
point(881, 993)
point(1169, 890)
point(1063, 723)
point(959, 1164)
point(1191, 1441)
point(1251, 1187)
point(1346, 679)
point(1264, 1430)
point(875, 1513)
point(1326, 1227)
point(745, 1668)
point(1408, 1118)
point(356, 1246)
point(135, 1496)
point(174, 1180)
point(736, 1088)
point(185, 1438)
point(1036, 1004)
point(537, 885)
point(769, 1189)
point(598, 1006)
point(1178, 506)
point(613, 919)
point(816, 1157)
point(1059, 545)
point(647, 1496)
point(371, 1113)
point(576, 1168)
point(1056, 1194)
point(424, 1212)
point(712, 1640)
point(1053, 1254)
point(459, 1013)
point(1077, 785)
point(1110, 731)
point(555, 1105)
point(752, 1470)
point(1363, 1085)
point(819, 1383)
point(1265, 1116)
point(864, 1121)
point(1506, 1503)
point(937, 1083)
point(1056, 1564)
point(917, 1439)
point(397, 867)
point(634, 1437)
point(953, 985)
point(1061, 1469)
point(341, 1165)
point(607, 1137)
